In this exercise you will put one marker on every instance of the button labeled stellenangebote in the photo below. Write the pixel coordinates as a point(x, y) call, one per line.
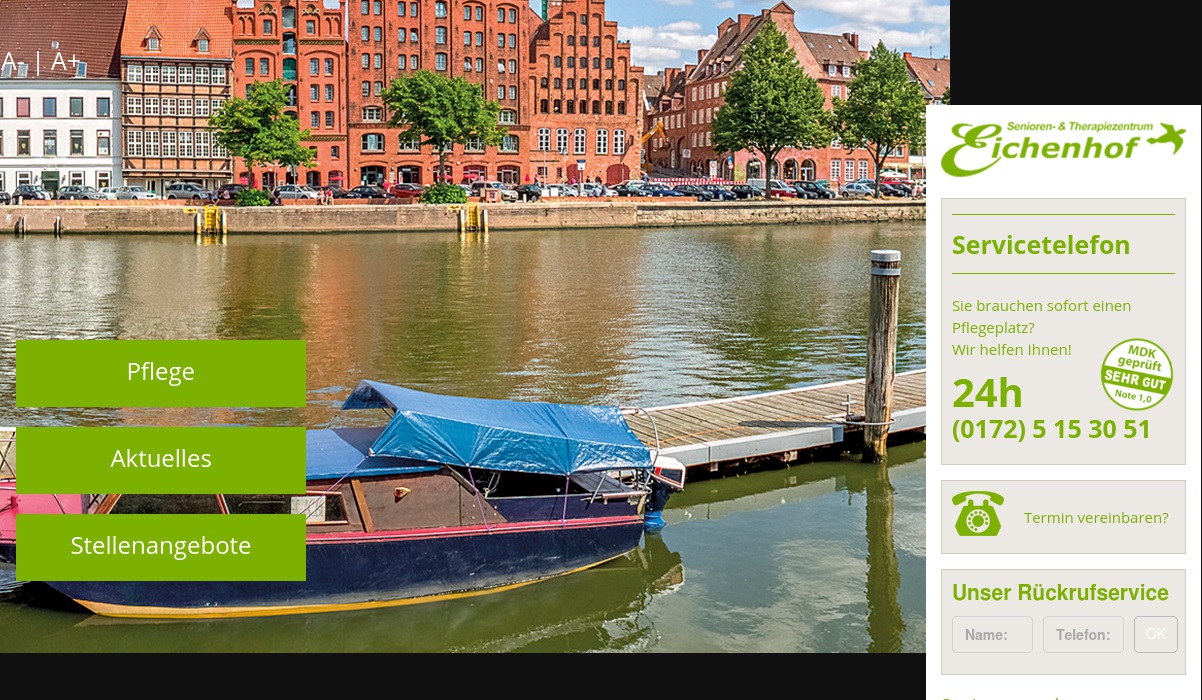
point(162, 460)
point(161, 547)
point(160, 373)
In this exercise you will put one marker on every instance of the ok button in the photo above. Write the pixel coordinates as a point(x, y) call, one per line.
point(1156, 635)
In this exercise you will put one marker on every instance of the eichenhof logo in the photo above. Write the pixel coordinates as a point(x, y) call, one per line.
point(982, 146)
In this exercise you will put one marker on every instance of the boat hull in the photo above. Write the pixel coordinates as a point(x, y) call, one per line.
point(350, 571)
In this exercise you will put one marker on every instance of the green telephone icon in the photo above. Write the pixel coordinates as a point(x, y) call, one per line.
point(978, 519)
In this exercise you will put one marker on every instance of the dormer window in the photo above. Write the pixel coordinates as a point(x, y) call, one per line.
point(152, 38)
point(830, 68)
point(846, 71)
point(201, 40)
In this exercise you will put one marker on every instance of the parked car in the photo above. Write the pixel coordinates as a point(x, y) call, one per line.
point(630, 188)
point(697, 191)
point(229, 190)
point(558, 189)
point(370, 192)
point(813, 190)
point(780, 188)
point(721, 194)
point(529, 192)
point(405, 190)
point(5, 198)
point(108, 192)
point(79, 192)
point(339, 193)
point(297, 192)
point(656, 189)
point(743, 191)
point(824, 183)
point(186, 190)
point(480, 187)
point(135, 192)
point(856, 190)
point(24, 192)
point(599, 190)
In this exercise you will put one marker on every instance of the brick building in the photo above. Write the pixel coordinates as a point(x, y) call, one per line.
point(481, 40)
point(300, 42)
point(689, 100)
point(176, 68)
point(586, 95)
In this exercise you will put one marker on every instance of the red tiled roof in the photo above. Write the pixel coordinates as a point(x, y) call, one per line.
point(831, 48)
point(933, 74)
point(85, 31)
point(178, 27)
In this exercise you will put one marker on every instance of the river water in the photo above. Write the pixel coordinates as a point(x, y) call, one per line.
point(823, 556)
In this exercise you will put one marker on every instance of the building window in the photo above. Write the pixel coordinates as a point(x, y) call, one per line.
point(863, 165)
point(329, 120)
point(289, 69)
point(151, 74)
point(479, 65)
point(250, 66)
point(834, 91)
point(513, 92)
point(377, 60)
point(408, 144)
point(377, 7)
point(152, 44)
point(334, 152)
point(264, 66)
point(513, 16)
point(377, 34)
point(513, 41)
point(561, 141)
point(619, 142)
point(558, 61)
point(557, 106)
point(597, 62)
point(544, 139)
point(365, 60)
point(621, 86)
point(77, 142)
point(500, 40)
point(202, 144)
point(609, 107)
point(500, 92)
point(102, 107)
point(602, 142)
point(49, 107)
point(169, 75)
point(473, 144)
point(314, 93)
point(571, 106)
point(513, 66)
point(413, 62)
point(50, 143)
point(621, 107)
point(185, 144)
point(133, 143)
point(364, 7)
point(440, 35)
point(479, 38)
point(202, 45)
point(329, 93)
point(508, 116)
point(133, 105)
point(500, 15)
point(836, 170)
point(413, 36)
point(467, 38)
point(467, 12)
point(267, 28)
point(314, 67)
point(571, 40)
point(133, 73)
point(830, 69)
point(329, 67)
point(584, 20)
point(579, 142)
point(314, 119)
point(377, 88)
point(364, 33)
point(479, 13)
point(846, 71)
point(413, 9)
point(310, 26)
point(76, 106)
point(571, 61)
point(440, 9)
point(373, 114)
point(440, 61)
point(373, 142)
point(366, 88)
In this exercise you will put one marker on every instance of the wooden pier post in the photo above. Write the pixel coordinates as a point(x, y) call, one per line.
point(882, 352)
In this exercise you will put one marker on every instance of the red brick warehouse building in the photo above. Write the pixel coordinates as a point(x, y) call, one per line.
point(586, 96)
point(483, 41)
point(300, 42)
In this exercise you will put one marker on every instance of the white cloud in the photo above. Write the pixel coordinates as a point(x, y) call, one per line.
point(676, 3)
point(724, 4)
point(673, 44)
point(880, 11)
point(917, 42)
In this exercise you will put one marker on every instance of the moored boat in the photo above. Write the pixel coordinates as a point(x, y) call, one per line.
point(453, 497)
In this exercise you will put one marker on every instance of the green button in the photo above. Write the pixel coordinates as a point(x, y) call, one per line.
point(193, 373)
point(161, 547)
point(162, 460)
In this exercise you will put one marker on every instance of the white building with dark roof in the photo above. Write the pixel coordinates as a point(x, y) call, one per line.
point(60, 91)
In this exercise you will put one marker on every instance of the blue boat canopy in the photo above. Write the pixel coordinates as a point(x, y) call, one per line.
point(544, 438)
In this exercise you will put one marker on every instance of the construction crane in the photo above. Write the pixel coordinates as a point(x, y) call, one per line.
point(657, 129)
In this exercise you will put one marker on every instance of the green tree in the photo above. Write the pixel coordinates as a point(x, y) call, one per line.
point(884, 109)
point(771, 104)
point(442, 112)
point(257, 130)
point(947, 95)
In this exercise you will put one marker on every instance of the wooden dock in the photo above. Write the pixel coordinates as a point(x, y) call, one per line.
point(773, 424)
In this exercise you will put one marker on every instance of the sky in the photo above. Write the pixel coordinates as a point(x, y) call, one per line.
point(669, 32)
